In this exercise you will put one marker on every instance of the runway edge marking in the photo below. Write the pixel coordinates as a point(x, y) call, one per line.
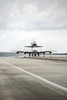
point(36, 76)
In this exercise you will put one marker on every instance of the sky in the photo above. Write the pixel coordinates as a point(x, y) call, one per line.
point(43, 20)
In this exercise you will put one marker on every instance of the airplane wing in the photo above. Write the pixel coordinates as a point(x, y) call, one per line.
point(33, 46)
point(29, 46)
point(39, 46)
point(47, 51)
point(27, 52)
point(19, 52)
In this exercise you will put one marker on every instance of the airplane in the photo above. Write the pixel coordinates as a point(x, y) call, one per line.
point(34, 52)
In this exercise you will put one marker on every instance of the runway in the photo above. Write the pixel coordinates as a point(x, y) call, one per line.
point(32, 79)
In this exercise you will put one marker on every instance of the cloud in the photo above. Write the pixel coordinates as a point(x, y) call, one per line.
point(24, 15)
point(45, 20)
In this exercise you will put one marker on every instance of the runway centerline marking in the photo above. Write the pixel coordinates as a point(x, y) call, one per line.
point(64, 89)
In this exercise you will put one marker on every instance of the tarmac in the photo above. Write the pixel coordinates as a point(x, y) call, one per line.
point(33, 79)
point(50, 58)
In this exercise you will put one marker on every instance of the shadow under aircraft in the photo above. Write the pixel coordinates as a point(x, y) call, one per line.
point(34, 53)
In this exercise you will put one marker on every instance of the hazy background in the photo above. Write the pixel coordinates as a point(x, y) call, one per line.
point(45, 20)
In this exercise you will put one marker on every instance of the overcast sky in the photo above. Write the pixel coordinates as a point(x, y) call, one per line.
point(43, 20)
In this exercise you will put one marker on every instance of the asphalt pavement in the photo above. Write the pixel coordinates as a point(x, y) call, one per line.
point(32, 79)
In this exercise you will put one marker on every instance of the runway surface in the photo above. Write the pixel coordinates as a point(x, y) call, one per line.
point(32, 79)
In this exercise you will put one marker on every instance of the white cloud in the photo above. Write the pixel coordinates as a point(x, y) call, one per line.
point(30, 8)
point(21, 20)
point(32, 16)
